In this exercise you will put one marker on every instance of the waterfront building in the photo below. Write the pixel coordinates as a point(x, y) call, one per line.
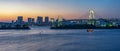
point(20, 18)
point(39, 20)
point(31, 21)
point(52, 22)
point(46, 19)
point(20, 21)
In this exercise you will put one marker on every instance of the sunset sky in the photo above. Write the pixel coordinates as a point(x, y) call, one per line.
point(69, 9)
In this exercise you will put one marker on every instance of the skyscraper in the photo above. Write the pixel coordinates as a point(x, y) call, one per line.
point(20, 19)
point(39, 20)
point(46, 19)
point(31, 21)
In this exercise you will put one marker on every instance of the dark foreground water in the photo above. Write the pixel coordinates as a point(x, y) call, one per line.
point(44, 39)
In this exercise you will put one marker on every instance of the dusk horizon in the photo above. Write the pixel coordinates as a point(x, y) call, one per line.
point(59, 25)
point(74, 9)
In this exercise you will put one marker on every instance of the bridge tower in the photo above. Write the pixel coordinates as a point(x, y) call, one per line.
point(91, 14)
point(91, 17)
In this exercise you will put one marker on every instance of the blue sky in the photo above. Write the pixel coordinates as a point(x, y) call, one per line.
point(66, 8)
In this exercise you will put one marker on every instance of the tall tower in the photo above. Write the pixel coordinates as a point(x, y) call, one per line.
point(39, 20)
point(20, 18)
point(91, 16)
point(46, 19)
point(30, 20)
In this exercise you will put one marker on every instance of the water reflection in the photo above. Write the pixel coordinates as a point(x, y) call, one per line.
point(44, 39)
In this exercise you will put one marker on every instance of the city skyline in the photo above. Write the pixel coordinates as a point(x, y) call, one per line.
point(39, 19)
point(73, 9)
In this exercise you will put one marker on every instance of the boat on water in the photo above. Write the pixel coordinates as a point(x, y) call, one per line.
point(90, 30)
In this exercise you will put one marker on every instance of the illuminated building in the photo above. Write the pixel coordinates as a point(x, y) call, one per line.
point(52, 20)
point(59, 21)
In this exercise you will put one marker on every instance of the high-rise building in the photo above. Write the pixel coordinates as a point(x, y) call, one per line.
point(30, 20)
point(46, 19)
point(33, 20)
point(20, 19)
point(52, 21)
point(39, 20)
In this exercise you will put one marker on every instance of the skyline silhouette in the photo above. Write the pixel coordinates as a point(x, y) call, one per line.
point(73, 9)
